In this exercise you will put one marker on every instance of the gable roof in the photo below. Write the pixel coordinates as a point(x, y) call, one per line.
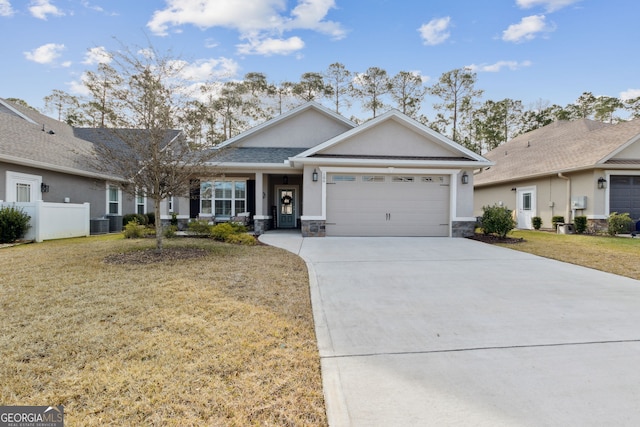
point(289, 115)
point(29, 138)
point(556, 148)
point(450, 152)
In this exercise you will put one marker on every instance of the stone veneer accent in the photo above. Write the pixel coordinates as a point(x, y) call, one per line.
point(260, 226)
point(463, 228)
point(314, 228)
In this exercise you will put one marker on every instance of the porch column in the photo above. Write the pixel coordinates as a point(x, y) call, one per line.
point(260, 218)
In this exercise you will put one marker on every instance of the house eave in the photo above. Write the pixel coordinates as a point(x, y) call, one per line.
point(55, 168)
point(320, 161)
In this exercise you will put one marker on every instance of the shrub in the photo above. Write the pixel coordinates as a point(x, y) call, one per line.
point(222, 231)
point(555, 220)
point(151, 218)
point(14, 224)
point(170, 231)
point(580, 222)
point(619, 223)
point(133, 230)
point(497, 220)
point(242, 239)
point(174, 219)
point(536, 222)
point(200, 227)
point(138, 218)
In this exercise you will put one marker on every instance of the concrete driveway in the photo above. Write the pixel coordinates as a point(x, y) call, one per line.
point(439, 331)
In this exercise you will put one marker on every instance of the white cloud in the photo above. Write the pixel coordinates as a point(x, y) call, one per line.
point(5, 8)
point(207, 69)
point(629, 94)
point(97, 55)
point(261, 21)
point(45, 54)
point(41, 8)
point(435, 31)
point(270, 46)
point(78, 87)
point(528, 28)
point(498, 66)
point(549, 5)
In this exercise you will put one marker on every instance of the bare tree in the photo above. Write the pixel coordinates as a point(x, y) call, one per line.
point(143, 148)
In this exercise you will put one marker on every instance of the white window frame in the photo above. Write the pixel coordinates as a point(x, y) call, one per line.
point(15, 178)
point(233, 198)
point(108, 200)
point(141, 195)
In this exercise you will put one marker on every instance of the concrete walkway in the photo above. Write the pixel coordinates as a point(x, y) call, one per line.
point(439, 331)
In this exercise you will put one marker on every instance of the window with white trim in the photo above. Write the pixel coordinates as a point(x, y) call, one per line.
point(114, 197)
point(223, 198)
point(23, 192)
point(141, 204)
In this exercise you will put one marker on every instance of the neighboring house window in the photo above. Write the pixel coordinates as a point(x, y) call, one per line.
point(141, 204)
point(171, 204)
point(223, 198)
point(113, 199)
point(22, 187)
point(23, 192)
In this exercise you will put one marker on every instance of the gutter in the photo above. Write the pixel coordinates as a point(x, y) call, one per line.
point(568, 216)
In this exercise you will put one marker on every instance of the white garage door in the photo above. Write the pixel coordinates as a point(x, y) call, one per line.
point(387, 205)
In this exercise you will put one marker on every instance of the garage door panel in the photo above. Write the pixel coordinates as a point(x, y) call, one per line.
point(395, 206)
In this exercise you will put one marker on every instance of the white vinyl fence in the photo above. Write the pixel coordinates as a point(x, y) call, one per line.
point(55, 220)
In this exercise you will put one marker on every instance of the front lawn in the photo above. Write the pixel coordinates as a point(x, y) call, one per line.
point(618, 255)
point(222, 337)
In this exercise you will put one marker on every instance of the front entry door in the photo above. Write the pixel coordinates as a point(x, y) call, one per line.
point(526, 208)
point(286, 208)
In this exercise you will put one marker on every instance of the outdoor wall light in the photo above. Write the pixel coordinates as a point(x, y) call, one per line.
point(44, 188)
point(314, 176)
point(285, 180)
point(602, 183)
point(465, 178)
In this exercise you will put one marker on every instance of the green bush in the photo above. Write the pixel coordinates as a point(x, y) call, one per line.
point(242, 239)
point(140, 219)
point(536, 222)
point(151, 218)
point(170, 231)
point(200, 227)
point(222, 231)
point(133, 230)
point(555, 220)
point(14, 224)
point(619, 223)
point(497, 220)
point(580, 223)
point(174, 219)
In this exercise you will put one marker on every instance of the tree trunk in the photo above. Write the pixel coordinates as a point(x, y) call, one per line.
point(156, 207)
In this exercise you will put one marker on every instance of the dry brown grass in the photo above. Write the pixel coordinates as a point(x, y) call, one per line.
point(618, 255)
point(225, 339)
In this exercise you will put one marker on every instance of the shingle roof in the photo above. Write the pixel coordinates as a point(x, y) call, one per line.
point(257, 154)
point(29, 137)
point(559, 147)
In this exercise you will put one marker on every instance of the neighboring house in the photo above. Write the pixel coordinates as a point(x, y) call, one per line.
point(569, 169)
point(313, 169)
point(43, 159)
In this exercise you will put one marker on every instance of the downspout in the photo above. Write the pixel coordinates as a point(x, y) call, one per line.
point(568, 217)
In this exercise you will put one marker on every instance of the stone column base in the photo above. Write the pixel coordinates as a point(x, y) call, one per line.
point(313, 228)
point(463, 228)
point(260, 226)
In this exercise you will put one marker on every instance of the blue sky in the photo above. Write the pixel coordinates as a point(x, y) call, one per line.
point(528, 50)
